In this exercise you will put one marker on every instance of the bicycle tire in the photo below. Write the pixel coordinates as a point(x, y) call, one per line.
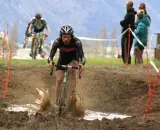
point(62, 101)
point(63, 96)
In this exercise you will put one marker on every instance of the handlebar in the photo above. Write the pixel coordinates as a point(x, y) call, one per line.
point(67, 66)
point(39, 33)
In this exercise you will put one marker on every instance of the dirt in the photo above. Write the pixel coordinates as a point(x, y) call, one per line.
point(109, 88)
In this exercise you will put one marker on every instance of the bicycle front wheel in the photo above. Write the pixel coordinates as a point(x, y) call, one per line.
point(35, 49)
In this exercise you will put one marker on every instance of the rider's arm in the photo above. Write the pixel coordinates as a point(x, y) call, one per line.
point(26, 33)
point(80, 52)
point(30, 28)
point(47, 29)
point(53, 50)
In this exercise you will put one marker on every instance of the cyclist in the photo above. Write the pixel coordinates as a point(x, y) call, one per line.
point(38, 24)
point(70, 51)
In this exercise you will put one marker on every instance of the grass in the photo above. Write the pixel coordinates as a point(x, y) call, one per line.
point(90, 61)
point(26, 62)
point(157, 63)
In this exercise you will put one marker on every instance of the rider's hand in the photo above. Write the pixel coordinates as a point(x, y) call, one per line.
point(51, 64)
point(46, 35)
point(81, 68)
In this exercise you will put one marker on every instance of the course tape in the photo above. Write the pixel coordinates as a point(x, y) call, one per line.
point(151, 90)
point(96, 39)
point(8, 65)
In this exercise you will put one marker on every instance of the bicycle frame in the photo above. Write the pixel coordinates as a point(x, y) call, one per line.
point(63, 99)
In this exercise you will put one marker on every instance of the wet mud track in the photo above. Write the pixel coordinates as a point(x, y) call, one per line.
point(110, 88)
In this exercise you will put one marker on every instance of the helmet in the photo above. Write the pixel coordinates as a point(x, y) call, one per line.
point(38, 16)
point(66, 29)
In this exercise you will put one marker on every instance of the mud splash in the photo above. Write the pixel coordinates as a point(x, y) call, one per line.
point(89, 115)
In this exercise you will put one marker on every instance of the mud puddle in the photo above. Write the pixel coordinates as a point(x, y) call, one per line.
point(89, 115)
point(30, 108)
point(93, 115)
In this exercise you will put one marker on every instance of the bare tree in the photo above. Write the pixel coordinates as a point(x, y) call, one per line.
point(13, 40)
point(113, 43)
point(104, 43)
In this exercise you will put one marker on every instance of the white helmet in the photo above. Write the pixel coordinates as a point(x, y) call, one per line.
point(66, 29)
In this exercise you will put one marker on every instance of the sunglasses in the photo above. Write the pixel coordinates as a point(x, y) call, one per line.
point(38, 18)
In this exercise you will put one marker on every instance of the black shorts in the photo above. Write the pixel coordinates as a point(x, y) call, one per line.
point(65, 61)
point(38, 30)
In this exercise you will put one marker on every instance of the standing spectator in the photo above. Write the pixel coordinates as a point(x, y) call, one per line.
point(143, 7)
point(142, 34)
point(128, 19)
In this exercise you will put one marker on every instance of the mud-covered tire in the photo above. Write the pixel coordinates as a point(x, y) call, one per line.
point(63, 104)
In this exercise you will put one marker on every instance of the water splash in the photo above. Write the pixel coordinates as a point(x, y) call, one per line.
point(93, 115)
point(30, 108)
point(89, 115)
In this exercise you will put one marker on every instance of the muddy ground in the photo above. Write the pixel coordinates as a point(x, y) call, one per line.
point(109, 88)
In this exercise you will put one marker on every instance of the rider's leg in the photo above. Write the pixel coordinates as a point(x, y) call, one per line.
point(41, 43)
point(25, 42)
point(59, 79)
point(32, 43)
point(72, 77)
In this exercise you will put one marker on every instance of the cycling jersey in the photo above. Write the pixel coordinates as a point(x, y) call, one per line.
point(26, 33)
point(38, 26)
point(67, 53)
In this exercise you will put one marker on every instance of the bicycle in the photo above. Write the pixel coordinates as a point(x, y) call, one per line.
point(63, 105)
point(36, 47)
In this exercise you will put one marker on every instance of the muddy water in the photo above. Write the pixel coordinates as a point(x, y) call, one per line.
point(89, 115)
point(93, 115)
point(30, 108)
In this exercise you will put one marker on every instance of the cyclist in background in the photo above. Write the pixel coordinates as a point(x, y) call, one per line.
point(38, 25)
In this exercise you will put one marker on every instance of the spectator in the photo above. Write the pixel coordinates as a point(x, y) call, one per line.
point(143, 6)
point(142, 34)
point(128, 19)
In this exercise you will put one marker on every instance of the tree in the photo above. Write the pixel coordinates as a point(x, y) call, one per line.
point(113, 43)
